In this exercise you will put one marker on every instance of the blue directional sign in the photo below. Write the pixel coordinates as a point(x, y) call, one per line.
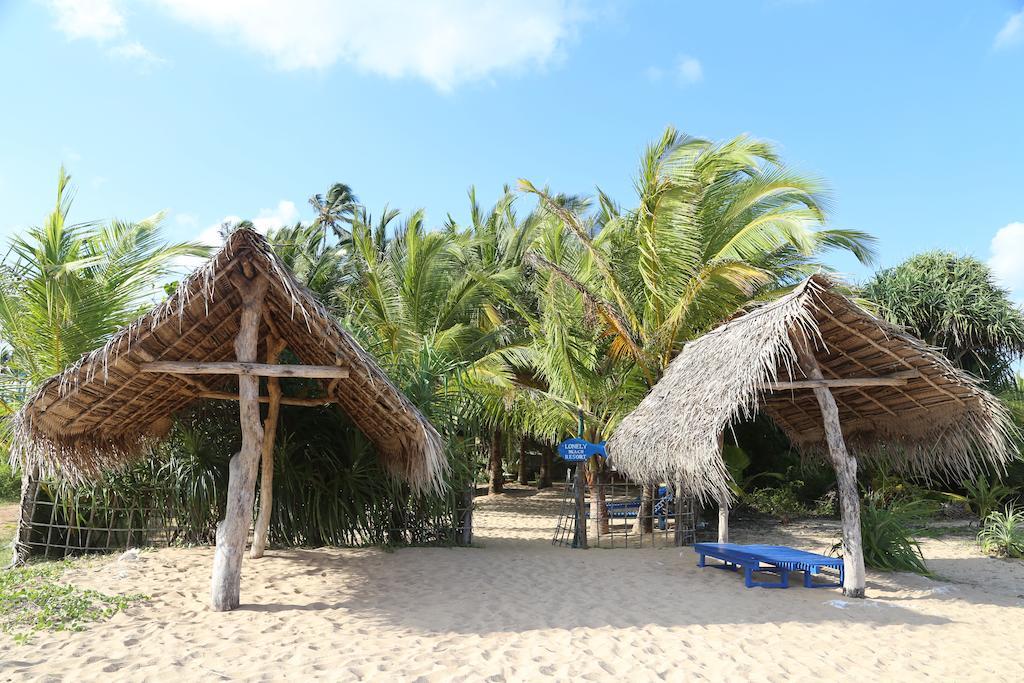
point(576, 449)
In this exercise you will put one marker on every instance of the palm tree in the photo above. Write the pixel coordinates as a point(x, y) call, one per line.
point(418, 301)
point(65, 288)
point(717, 226)
point(336, 209)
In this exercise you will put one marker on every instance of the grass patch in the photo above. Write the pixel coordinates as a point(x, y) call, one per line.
point(33, 599)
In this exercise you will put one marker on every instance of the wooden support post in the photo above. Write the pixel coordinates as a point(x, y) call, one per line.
point(723, 503)
point(259, 537)
point(234, 529)
point(846, 471)
point(678, 508)
point(579, 482)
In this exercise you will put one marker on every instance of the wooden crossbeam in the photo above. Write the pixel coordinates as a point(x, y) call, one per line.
point(894, 380)
point(285, 400)
point(245, 369)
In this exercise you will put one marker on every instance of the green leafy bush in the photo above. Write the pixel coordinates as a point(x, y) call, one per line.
point(10, 483)
point(1003, 533)
point(32, 599)
point(982, 496)
point(888, 531)
point(782, 503)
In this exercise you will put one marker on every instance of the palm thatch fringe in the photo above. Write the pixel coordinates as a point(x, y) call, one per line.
point(940, 422)
point(103, 413)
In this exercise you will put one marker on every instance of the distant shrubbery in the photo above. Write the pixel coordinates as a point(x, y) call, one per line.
point(10, 483)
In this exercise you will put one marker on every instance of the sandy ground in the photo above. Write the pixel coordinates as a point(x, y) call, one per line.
point(515, 608)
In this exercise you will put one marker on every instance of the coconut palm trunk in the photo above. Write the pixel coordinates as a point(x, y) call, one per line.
point(596, 480)
point(544, 475)
point(523, 473)
point(496, 477)
point(644, 523)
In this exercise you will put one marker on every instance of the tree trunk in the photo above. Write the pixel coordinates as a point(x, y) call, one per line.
point(259, 537)
point(26, 511)
point(580, 528)
point(544, 475)
point(644, 523)
point(845, 466)
point(598, 508)
point(496, 482)
point(723, 521)
point(234, 529)
point(523, 478)
point(723, 503)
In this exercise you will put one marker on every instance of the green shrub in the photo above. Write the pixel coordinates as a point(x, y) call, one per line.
point(10, 483)
point(888, 530)
point(776, 502)
point(1003, 533)
point(984, 497)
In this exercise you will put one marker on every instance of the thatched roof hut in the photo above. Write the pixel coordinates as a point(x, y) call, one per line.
point(899, 400)
point(840, 382)
point(204, 342)
point(105, 410)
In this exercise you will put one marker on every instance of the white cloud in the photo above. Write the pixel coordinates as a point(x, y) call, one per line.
point(284, 214)
point(686, 71)
point(1012, 31)
point(138, 54)
point(97, 19)
point(186, 220)
point(102, 21)
point(444, 42)
point(1007, 260)
point(689, 70)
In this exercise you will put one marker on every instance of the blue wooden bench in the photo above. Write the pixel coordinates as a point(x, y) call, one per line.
point(775, 559)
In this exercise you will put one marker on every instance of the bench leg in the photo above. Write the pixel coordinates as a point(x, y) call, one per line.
point(700, 562)
point(748, 576)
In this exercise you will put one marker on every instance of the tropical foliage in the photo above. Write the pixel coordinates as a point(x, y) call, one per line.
point(504, 329)
point(66, 287)
point(952, 302)
point(889, 530)
point(1003, 533)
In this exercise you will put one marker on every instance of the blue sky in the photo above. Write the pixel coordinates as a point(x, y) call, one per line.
point(912, 111)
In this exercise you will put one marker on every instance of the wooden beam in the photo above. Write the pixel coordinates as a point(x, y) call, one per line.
point(285, 400)
point(896, 379)
point(244, 369)
point(900, 359)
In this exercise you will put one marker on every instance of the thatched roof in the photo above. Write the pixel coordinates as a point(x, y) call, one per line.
point(103, 413)
point(939, 421)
